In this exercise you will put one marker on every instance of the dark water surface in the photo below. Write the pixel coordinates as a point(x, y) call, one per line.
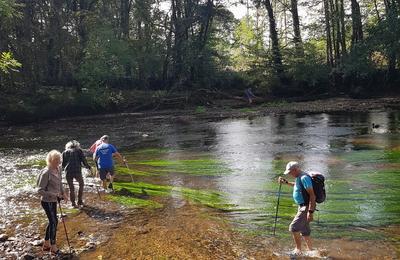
point(237, 161)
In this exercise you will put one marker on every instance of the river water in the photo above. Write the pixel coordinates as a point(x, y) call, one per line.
point(237, 160)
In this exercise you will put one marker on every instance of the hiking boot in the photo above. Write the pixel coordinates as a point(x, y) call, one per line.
point(74, 205)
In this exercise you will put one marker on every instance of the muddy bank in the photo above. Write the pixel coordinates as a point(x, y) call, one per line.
point(235, 106)
point(340, 104)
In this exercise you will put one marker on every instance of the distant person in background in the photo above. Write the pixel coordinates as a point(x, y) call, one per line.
point(50, 188)
point(249, 95)
point(104, 157)
point(73, 160)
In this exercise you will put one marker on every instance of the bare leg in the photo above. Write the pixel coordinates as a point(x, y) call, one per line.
point(308, 242)
point(297, 239)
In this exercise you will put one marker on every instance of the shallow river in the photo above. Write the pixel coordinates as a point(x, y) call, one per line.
point(231, 165)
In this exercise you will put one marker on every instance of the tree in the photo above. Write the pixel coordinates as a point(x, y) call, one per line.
point(273, 34)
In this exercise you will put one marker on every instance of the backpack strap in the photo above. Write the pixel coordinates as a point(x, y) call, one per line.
point(304, 193)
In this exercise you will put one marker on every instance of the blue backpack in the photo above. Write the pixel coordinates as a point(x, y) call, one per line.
point(318, 183)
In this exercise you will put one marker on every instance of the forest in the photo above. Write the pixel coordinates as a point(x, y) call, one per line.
point(75, 57)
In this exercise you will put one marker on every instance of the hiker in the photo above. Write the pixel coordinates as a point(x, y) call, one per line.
point(72, 161)
point(50, 188)
point(104, 157)
point(249, 95)
point(92, 149)
point(306, 206)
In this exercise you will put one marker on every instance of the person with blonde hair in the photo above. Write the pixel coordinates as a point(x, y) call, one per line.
point(73, 160)
point(50, 188)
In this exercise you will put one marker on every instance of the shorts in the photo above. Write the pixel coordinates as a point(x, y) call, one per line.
point(300, 223)
point(104, 171)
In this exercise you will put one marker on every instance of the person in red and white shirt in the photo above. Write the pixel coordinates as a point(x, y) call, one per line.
point(92, 149)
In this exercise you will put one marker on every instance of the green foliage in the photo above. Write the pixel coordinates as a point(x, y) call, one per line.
point(200, 109)
point(105, 58)
point(45, 105)
point(309, 70)
point(8, 63)
point(8, 9)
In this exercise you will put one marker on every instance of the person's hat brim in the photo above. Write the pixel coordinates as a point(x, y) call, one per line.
point(286, 172)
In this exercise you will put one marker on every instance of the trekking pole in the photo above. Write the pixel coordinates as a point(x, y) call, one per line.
point(97, 188)
point(277, 205)
point(126, 164)
point(65, 228)
point(98, 192)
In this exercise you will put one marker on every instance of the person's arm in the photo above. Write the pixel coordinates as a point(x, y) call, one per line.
point(284, 181)
point(42, 183)
point(92, 148)
point(64, 160)
point(95, 157)
point(120, 157)
point(117, 154)
point(83, 160)
point(63, 194)
point(311, 204)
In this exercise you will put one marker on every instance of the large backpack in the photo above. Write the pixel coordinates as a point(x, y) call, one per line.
point(318, 183)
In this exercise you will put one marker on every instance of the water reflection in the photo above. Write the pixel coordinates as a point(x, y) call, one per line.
point(253, 148)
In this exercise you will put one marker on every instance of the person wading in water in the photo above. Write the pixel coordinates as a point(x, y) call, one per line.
point(50, 188)
point(104, 157)
point(72, 161)
point(92, 149)
point(301, 222)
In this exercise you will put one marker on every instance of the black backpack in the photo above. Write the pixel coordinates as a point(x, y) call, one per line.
point(318, 183)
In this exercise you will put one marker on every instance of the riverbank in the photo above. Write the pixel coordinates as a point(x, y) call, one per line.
point(17, 110)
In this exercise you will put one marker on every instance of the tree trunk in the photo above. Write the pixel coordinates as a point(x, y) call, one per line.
point(54, 44)
point(329, 51)
point(124, 18)
point(342, 29)
point(337, 30)
point(296, 27)
point(391, 13)
point(273, 34)
point(357, 32)
point(377, 11)
point(24, 34)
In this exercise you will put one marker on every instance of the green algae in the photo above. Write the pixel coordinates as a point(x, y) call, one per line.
point(204, 197)
point(38, 163)
point(208, 167)
point(372, 156)
point(134, 202)
point(131, 171)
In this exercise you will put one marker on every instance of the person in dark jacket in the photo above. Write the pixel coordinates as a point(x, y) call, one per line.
point(51, 190)
point(72, 161)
